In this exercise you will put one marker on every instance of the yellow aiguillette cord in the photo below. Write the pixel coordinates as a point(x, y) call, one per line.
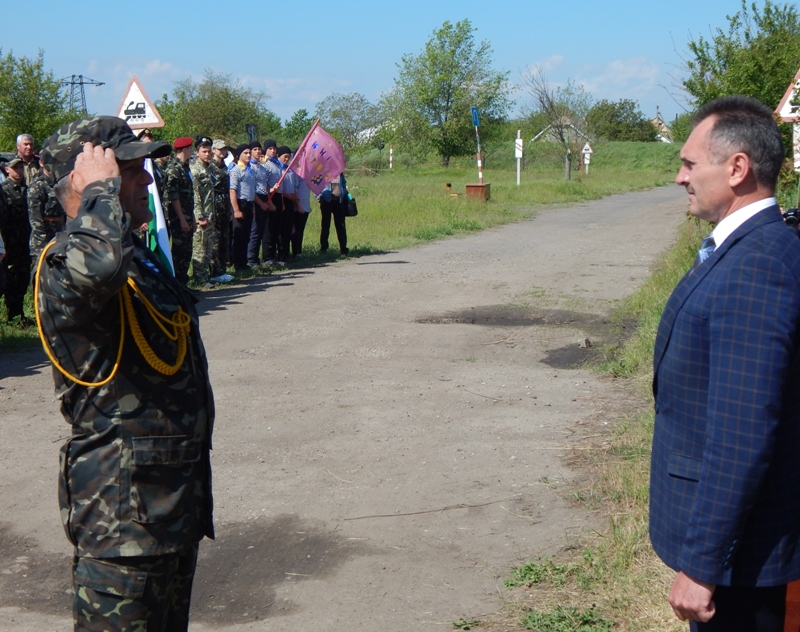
point(181, 325)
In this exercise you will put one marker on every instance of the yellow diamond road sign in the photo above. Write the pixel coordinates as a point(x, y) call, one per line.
point(137, 109)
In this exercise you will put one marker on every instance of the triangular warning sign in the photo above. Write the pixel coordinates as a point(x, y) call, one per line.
point(137, 109)
point(786, 112)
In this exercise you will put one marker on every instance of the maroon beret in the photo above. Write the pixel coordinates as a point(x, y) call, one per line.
point(183, 141)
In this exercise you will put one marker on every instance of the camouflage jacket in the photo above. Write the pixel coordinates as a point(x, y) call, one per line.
point(46, 214)
point(160, 177)
point(135, 476)
point(32, 169)
point(222, 194)
point(203, 186)
point(178, 186)
point(14, 223)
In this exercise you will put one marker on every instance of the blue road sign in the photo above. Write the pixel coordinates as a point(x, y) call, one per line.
point(476, 120)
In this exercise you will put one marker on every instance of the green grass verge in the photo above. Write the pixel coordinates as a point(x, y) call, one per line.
point(617, 575)
point(12, 335)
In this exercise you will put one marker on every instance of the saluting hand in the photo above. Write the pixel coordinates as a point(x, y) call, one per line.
point(91, 165)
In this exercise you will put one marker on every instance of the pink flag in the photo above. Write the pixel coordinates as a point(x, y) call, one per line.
point(319, 160)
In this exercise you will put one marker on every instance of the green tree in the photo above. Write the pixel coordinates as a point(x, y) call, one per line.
point(32, 100)
point(296, 128)
point(430, 103)
point(757, 56)
point(350, 118)
point(620, 121)
point(681, 127)
point(219, 106)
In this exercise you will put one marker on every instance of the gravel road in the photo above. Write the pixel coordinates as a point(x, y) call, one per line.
point(391, 432)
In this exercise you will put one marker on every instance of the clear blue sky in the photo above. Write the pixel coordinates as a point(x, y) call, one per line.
point(300, 52)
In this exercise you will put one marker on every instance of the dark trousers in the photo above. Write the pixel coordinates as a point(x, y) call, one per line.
point(241, 234)
point(222, 257)
point(126, 594)
point(181, 250)
point(745, 609)
point(299, 227)
point(336, 210)
point(17, 272)
point(257, 232)
point(285, 227)
point(272, 233)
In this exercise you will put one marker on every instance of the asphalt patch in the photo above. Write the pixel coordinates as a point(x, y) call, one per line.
point(572, 356)
point(602, 336)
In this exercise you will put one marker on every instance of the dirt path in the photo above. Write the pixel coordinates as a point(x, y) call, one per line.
point(390, 429)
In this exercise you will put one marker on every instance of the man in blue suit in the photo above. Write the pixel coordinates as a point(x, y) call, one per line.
point(725, 474)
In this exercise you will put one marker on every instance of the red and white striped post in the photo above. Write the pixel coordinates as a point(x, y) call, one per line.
point(476, 122)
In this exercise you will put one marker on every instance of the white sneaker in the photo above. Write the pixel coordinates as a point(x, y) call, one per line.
point(222, 278)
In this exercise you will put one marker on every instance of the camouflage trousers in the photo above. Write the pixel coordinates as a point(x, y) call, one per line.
point(181, 252)
point(133, 594)
point(205, 245)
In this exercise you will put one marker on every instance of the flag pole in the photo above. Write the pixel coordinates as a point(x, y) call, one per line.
point(291, 162)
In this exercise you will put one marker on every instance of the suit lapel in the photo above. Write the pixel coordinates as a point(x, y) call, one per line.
point(692, 278)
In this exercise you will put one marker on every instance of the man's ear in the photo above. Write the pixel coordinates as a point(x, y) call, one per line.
point(740, 169)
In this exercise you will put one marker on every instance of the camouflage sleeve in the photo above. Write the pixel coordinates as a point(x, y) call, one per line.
point(88, 264)
point(203, 195)
point(37, 197)
point(173, 183)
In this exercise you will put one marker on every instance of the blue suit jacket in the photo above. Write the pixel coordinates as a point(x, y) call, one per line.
point(725, 473)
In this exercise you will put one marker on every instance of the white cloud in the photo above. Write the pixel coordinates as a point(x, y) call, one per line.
point(636, 78)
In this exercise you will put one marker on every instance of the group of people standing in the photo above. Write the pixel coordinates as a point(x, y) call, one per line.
point(240, 207)
point(224, 206)
point(30, 216)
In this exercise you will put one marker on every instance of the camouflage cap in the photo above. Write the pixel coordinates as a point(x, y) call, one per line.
point(60, 150)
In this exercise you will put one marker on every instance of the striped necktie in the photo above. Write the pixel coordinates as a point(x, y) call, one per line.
point(706, 248)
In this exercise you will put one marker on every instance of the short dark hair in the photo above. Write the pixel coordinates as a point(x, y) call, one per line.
point(744, 124)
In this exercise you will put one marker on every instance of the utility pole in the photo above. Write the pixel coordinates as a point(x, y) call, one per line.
point(77, 94)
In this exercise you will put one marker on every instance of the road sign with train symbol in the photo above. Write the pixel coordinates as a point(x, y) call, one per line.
point(137, 109)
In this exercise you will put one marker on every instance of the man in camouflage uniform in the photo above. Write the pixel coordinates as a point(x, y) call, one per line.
point(222, 208)
point(16, 229)
point(25, 152)
point(135, 476)
point(44, 210)
point(205, 237)
point(180, 214)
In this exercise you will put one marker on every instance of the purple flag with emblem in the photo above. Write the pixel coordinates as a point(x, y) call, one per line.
point(319, 160)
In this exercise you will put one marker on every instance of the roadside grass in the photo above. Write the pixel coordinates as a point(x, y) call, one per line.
point(404, 206)
point(12, 335)
point(615, 574)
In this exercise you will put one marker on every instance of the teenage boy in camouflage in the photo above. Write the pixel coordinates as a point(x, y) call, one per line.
point(131, 374)
point(180, 195)
point(223, 212)
point(205, 237)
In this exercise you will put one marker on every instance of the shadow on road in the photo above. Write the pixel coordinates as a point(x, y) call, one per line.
point(237, 574)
